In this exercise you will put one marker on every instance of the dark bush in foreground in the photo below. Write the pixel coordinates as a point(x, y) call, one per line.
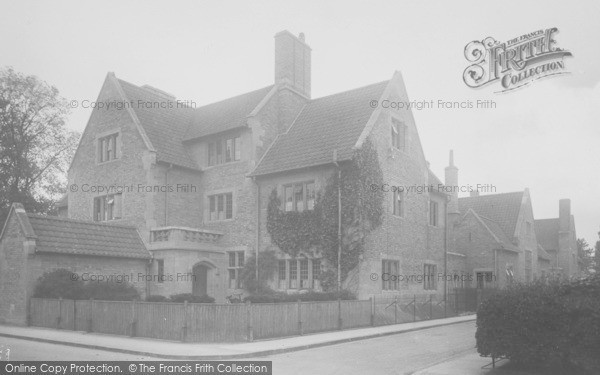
point(65, 284)
point(180, 298)
point(60, 283)
point(553, 326)
point(278, 297)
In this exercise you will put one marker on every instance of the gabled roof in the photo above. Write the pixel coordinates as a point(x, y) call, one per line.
point(546, 232)
point(169, 123)
point(68, 236)
point(495, 230)
point(166, 127)
point(225, 115)
point(329, 123)
point(502, 208)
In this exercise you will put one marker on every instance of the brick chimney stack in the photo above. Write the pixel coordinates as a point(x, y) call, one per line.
point(292, 61)
point(564, 215)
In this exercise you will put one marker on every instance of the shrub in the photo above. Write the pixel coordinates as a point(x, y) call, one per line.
point(59, 283)
point(111, 291)
point(180, 298)
point(268, 264)
point(280, 297)
point(556, 325)
point(157, 298)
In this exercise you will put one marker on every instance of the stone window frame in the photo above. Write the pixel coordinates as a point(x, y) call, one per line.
point(118, 197)
point(221, 143)
point(434, 213)
point(391, 268)
point(299, 282)
point(430, 276)
point(305, 204)
point(118, 145)
point(207, 211)
point(236, 268)
point(399, 132)
point(398, 205)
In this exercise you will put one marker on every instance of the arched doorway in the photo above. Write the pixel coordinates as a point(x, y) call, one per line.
point(200, 279)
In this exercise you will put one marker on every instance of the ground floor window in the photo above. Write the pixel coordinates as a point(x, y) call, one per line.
point(389, 274)
point(236, 264)
point(301, 273)
point(484, 279)
point(429, 277)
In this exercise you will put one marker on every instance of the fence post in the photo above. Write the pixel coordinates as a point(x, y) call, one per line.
point(184, 332)
point(372, 300)
point(249, 321)
point(339, 313)
point(414, 307)
point(74, 315)
point(299, 318)
point(430, 306)
point(29, 312)
point(90, 327)
point(445, 304)
point(396, 309)
point(133, 319)
point(58, 318)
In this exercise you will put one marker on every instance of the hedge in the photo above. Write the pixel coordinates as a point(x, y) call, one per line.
point(279, 297)
point(552, 326)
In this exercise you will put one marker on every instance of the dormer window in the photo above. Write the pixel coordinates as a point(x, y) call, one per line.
point(398, 134)
point(224, 150)
point(108, 148)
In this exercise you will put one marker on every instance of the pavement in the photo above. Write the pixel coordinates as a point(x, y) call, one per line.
point(215, 351)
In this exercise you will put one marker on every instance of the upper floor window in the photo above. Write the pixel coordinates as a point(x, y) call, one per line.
point(398, 134)
point(220, 206)
point(224, 150)
point(160, 264)
point(433, 213)
point(398, 208)
point(299, 197)
point(108, 148)
point(108, 207)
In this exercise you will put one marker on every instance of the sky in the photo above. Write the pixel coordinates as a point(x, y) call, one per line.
point(543, 137)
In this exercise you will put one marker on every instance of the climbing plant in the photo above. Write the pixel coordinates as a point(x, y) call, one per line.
point(362, 212)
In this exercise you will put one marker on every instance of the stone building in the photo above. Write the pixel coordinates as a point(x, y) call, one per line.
point(195, 183)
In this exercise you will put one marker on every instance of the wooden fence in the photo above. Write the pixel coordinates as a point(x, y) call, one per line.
point(238, 322)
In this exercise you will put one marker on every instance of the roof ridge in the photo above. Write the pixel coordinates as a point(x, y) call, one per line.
point(546, 219)
point(347, 91)
point(79, 221)
point(494, 195)
point(234, 97)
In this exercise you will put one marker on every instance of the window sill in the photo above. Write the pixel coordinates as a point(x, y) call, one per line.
point(230, 163)
point(208, 222)
point(107, 162)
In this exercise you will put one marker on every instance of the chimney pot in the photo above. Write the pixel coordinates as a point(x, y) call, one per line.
point(301, 36)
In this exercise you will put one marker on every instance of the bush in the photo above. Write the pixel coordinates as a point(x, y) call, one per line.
point(554, 325)
point(111, 291)
point(60, 283)
point(180, 298)
point(65, 284)
point(280, 297)
point(157, 298)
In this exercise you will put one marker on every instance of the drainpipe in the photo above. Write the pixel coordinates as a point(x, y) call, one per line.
point(446, 249)
point(166, 193)
point(257, 226)
point(339, 254)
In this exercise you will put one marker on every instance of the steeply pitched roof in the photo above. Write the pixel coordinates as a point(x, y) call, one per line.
point(329, 123)
point(166, 127)
point(503, 239)
point(546, 232)
point(501, 208)
point(225, 115)
point(68, 236)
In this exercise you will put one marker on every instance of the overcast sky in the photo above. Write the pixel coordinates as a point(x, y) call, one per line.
point(544, 137)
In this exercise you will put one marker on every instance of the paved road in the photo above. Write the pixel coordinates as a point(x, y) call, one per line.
point(396, 354)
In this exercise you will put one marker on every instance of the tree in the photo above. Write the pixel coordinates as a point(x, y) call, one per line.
point(597, 256)
point(35, 146)
point(586, 254)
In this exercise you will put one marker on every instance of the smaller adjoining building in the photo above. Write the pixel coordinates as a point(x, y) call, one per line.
point(31, 245)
